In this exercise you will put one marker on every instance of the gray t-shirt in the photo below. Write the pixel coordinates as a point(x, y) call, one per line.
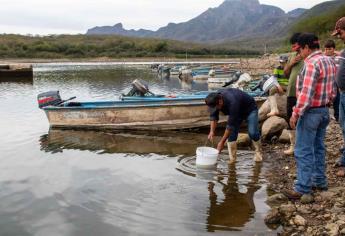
point(340, 77)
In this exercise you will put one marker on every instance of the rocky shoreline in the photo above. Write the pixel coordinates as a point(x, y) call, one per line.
point(322, 213)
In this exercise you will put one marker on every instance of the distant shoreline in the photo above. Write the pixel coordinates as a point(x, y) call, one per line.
point(119, 60)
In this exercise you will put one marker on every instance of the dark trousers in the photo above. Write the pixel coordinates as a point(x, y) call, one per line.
point(290, 103)
point(336, 103)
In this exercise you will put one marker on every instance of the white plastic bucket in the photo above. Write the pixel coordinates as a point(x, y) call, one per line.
point(206, 156)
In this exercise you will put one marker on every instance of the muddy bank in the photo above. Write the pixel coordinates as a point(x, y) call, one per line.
point(324, 213)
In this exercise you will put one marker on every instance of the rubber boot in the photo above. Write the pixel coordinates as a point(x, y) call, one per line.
point(292, 136)
point(258, 151)
point(232, 148)
point(274, 106)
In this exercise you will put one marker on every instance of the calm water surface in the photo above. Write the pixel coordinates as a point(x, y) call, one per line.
point(65, 182)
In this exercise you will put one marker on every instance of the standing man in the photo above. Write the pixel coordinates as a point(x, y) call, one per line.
point(315, 91)
point(291, 70)
point(330, 51)
point(340, 79)
point(238, 106)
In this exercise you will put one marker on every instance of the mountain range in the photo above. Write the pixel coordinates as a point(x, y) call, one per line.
point(232, 20)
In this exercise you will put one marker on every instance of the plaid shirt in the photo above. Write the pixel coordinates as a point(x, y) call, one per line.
point(315, 85)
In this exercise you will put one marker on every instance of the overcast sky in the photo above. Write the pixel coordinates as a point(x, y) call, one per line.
point(76, 16)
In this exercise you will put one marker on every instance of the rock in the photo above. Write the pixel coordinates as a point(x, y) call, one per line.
point(309, 230)
point(307, 198)
point(284, 137)
point(336, 189)
point(327, 216)
point(341, 224)
point(287, 210)
point(341, 217)
point(272, 126)
point(273, 217)
point(327, 196)
point(277, 199)
point(243, 140)
point(264, 110)
point(342, 232)
point(281, 102)
point(299, 220)
point(336, 209)
point(333, 229)
point(303, 210)
point(301, 228)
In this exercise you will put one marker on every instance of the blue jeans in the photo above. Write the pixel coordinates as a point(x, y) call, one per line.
point(253, 127)
point(310, 150)
point(342, 122)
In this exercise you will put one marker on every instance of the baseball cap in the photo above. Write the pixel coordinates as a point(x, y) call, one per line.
point(340, 25)
point(283, 58)
point(211, 101)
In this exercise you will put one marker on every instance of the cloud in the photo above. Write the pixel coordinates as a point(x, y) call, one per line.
point(76, 16)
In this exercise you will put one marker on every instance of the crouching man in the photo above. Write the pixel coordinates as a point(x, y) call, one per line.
point(238, 106)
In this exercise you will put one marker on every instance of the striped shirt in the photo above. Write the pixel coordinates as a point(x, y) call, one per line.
point(315, 85)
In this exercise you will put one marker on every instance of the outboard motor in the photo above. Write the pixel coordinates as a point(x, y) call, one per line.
point(234, 78)
point(140, 88)
point(51, 98)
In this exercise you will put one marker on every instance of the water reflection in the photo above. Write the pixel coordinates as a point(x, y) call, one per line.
point(231, 190)
point(21, 79)
point(112, 183)
point(234, 207)
point(164, 143)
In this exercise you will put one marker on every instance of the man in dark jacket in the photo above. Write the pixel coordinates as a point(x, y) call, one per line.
point(339, 31)
point(238, 106)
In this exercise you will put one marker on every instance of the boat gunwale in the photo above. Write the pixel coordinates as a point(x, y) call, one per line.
point(128, 104)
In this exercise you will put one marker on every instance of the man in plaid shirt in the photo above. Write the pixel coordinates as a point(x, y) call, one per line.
point(315, 91)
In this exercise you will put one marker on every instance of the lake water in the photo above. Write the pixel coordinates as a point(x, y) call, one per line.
point(68, 182)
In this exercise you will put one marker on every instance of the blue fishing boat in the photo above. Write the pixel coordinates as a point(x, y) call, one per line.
point(140, 112)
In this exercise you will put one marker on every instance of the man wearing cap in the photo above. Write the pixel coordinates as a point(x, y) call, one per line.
point(275, 91)
point(339, 31)
point(238, 106)
point(315, 91)
point(291, 70)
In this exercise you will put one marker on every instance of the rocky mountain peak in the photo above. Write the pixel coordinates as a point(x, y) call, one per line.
point(118, 26)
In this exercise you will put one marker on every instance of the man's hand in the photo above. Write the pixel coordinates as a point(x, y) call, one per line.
point(220, 146)
point(211, 136)
point(293, 122)
point(296, 59)
point(280, 90)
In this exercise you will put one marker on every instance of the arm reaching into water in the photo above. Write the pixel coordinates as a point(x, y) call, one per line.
point(225, 137)
point(213, 127)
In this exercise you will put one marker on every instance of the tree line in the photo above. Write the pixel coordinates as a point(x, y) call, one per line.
point(95, 46)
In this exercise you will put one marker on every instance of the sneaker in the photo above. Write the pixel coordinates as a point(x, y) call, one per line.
point(292, 194)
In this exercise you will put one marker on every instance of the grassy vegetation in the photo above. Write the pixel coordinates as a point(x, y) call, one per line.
point(85, 46)
point(321, 20)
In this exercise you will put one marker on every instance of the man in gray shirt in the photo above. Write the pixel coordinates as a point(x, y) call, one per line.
point(339, 31)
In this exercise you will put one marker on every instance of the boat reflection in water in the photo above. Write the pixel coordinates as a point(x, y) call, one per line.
point(164, 143)
point(228, 204)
